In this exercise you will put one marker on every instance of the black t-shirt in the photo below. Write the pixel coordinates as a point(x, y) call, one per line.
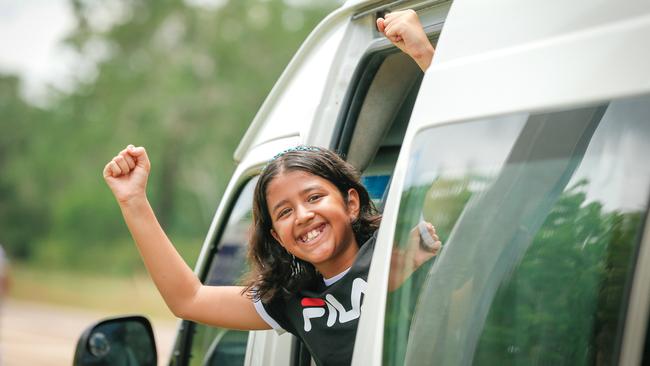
point(325, 319)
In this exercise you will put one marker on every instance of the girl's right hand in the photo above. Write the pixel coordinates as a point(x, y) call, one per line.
point(404, 30)
point(126, 174)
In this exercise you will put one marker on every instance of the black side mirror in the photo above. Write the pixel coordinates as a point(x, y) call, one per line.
point(126, 341)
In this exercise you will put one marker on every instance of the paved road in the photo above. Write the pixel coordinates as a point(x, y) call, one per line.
point(40, 334)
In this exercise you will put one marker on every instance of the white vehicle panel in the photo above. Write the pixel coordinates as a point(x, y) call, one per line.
point(482, 70)
point(267, 348)
point(598, 63)
point(290, 106)
point(295, 108)
point(482, 26)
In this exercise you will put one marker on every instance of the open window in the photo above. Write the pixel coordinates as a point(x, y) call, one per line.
point(375, 121)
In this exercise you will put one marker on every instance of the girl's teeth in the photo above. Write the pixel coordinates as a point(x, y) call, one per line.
point(311, 235)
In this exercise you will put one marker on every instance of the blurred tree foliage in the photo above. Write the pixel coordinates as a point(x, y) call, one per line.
point(182, 80)
point(561, 304)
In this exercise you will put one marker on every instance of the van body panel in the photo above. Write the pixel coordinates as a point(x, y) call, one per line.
point(358, 35)
point(482, 26)
point(300, 99)
point(266, 347)
point(298, 91)
point(566, 70)
point(510, 66)
point(637, 320)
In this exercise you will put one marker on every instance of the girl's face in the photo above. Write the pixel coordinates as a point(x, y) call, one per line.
point(312, 221)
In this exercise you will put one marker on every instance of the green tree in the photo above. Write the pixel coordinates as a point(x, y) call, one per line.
point(183, 81)
point(23, 216)
point(562, 304)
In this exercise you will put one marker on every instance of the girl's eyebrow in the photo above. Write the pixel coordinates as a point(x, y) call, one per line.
point(310, 188)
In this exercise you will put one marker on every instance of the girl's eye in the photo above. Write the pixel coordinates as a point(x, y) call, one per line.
point(314, 197)
point(283, 213)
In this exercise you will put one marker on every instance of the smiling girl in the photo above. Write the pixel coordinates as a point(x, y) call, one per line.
point(313, 237)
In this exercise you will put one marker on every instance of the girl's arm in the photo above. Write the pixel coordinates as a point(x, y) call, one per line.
point(406, 260)
point(222, 306)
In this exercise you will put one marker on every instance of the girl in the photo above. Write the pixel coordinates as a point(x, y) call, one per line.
point(313, 238)
point(311, 246)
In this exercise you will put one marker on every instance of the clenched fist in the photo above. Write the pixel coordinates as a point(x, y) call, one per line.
point(404, 30)
point(126, 174)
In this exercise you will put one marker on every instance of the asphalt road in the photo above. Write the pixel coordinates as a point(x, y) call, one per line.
point(46, 335)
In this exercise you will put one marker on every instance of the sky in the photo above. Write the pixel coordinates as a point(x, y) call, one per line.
point(31, 35)
point(31, 32)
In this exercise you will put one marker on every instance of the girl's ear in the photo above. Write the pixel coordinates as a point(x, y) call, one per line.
point(354, 203)
point(276, 237)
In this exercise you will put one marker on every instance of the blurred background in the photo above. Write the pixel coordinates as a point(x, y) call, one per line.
point(81, 79)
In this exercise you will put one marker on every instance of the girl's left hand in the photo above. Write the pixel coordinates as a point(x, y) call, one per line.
point(406, 260)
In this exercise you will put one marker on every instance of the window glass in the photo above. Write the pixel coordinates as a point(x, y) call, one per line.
point(539, 215)
point(376, 186)
point(218, 346)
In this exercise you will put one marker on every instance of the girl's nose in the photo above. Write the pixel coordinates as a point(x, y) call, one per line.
point(303, 215)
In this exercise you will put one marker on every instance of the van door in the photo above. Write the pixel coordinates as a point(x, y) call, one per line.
point(526, 149)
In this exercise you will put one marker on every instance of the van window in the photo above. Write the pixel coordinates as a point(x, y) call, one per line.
point(218, 346)
point(540, 216)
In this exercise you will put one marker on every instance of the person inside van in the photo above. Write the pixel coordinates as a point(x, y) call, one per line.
point(313, 234)
point(404, 30)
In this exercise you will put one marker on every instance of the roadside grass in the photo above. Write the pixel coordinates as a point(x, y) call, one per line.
point(119, 295)
point(90, 277)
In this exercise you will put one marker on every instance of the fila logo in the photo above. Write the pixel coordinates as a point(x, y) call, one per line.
point(314, 307)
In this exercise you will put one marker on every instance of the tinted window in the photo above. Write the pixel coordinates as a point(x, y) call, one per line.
point(218, 346)
point(539, 215)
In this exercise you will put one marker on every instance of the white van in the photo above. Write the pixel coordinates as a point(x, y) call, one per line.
point(526, 144)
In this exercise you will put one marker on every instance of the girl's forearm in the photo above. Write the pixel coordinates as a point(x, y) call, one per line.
point(174, 279)
point(424, 58)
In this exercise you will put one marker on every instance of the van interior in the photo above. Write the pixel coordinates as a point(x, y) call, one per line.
point(376, 118)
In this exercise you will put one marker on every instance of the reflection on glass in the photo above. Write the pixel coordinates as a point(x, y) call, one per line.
point(121, 342)
point(218, 346)
point(539, 217)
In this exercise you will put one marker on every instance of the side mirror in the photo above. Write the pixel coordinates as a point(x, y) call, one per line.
point(126, 341)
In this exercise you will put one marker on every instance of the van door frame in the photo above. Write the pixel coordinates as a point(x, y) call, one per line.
point(181, 353)
point(638, 307)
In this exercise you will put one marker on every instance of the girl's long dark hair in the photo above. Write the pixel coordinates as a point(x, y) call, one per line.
point(275, 272)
